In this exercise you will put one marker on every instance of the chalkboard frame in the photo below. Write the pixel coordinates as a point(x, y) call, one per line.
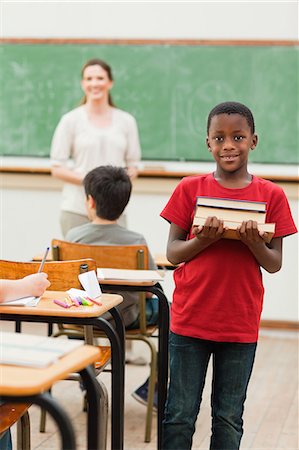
point(159, 42)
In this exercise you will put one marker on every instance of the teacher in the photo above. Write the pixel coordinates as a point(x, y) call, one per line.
point(95, 133)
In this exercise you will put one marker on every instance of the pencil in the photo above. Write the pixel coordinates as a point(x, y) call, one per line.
point(43, 260)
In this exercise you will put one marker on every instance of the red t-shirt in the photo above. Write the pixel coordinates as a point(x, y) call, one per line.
point(218, 295)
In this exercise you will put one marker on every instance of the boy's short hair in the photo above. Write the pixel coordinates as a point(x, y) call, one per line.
point(110, 187)
point(232, 108)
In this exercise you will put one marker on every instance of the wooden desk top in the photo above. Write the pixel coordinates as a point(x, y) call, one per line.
point(46, 306)
point(162, 261)
point(127, 283)
point(18, 381)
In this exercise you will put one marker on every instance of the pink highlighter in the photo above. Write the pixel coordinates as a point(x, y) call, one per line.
point(97, 302)
point(58, 302)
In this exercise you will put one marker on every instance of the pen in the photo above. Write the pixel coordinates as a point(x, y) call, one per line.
point(43, 260)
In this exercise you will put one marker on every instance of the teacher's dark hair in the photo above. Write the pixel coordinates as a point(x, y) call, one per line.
point(108, 70)
point(110, 187)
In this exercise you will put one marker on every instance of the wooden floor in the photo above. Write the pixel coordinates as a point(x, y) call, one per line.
point(271, 413)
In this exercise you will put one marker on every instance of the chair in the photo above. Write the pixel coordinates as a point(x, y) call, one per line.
point(118, 257)
point(11, 413)
point(63, 275)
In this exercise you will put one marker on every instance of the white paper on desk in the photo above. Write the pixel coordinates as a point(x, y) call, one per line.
point(90, 283)
point(32, 350)
point(76, 292)
point(24, 301)
point(129, 275)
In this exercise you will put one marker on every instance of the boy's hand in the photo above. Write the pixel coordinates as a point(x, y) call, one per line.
point(248, 232)
point(212, 230)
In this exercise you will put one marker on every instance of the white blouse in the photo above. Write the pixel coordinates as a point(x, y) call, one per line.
point(86, 146)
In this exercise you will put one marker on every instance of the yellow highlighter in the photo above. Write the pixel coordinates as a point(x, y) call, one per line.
point(86, 302)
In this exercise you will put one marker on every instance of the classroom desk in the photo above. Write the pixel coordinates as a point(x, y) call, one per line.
point(162, 262)
point(163, 326)
point(48, 312)
point(29, 384)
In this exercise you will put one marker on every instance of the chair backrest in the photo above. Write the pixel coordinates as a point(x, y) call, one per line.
point(113, 256)
point(63, 275)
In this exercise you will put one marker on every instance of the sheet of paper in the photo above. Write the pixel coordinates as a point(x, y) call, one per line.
point(24, 301)
point(76, 292)
point(128, 275)
point(90, 283)
point(31, 350)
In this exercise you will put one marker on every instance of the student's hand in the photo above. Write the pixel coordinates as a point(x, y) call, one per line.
point(249, 233)
point(35, 284)
point(212, 230)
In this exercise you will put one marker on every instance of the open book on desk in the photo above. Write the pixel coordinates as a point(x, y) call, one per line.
point(32, 350)
point(24, 301)
point(129, 275)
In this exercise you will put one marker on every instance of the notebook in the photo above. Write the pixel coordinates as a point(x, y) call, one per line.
point(34, 351)
point(24, 301)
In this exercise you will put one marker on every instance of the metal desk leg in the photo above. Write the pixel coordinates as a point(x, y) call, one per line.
point(162, 357)
point(55, 410)
point(162, 346)
point(117, 382)
point(119, 326)
point(94, 408)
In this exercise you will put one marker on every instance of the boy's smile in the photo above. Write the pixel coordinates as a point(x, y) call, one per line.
point(230, 140)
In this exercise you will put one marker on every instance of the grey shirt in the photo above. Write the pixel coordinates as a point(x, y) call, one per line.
point(113, 234)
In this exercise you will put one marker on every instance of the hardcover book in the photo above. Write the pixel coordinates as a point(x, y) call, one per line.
point(233, 213)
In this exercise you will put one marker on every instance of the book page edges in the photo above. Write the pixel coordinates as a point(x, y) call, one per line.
point(230, 214)
point(231, 203)
point(231, 226)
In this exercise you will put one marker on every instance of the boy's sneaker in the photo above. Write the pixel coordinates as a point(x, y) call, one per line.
point(141, 395)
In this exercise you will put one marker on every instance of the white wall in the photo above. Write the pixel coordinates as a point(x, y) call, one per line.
point(29, 215)
point(190, 20)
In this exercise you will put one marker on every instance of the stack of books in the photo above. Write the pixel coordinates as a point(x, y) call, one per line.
point(233, 213)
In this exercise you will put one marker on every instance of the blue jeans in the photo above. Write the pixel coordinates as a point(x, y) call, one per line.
point(5, 441)
point(232, 367)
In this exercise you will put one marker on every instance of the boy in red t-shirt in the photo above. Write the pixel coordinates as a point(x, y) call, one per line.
point(218, 296)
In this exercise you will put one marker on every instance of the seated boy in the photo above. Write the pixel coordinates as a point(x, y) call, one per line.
point(108, 190)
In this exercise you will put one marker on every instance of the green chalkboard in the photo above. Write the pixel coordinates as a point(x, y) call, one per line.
point(170, 89)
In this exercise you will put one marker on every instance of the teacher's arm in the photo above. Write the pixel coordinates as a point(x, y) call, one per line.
point(67, 175)
point(133, 152)
point(61, 150)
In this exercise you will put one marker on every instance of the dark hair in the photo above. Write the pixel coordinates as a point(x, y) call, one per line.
point(110, 187)
point(108, 70)
point(232, 108)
